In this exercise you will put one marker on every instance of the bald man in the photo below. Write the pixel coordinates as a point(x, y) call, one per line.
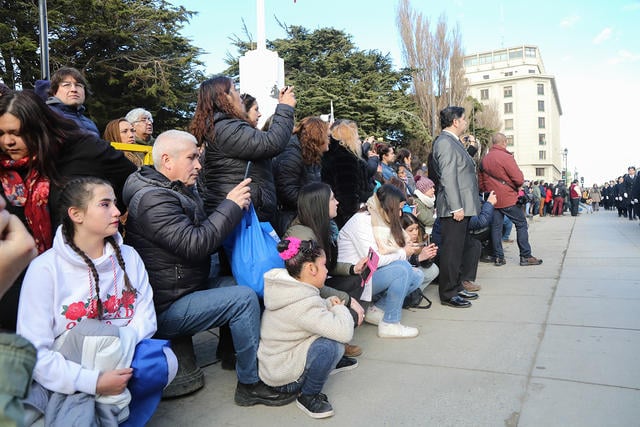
point(500, 173)
point(168, 226)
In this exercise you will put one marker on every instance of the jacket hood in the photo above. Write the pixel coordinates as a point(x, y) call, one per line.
point(144, 177)
point(58, 103)
point(281, 290)
point(102, 263)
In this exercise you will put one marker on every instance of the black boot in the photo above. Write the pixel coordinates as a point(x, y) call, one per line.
point(251, 394)
point(226, 352)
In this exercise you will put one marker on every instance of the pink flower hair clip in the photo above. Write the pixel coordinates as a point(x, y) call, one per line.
point(292, 250)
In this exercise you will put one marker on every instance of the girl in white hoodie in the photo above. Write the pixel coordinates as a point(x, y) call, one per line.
point(302, 335)
point(91, 291)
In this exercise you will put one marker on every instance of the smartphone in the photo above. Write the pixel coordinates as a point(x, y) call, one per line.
point(246, 171)
point(364, 274)
point(366, 271)
point(485, 195)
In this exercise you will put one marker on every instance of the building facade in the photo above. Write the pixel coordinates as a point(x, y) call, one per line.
point(515, 81)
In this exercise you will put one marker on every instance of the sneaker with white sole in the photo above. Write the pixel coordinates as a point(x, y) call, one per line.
point(396, 330)
point(373, 315)
point(345, 364)
point(315, 405)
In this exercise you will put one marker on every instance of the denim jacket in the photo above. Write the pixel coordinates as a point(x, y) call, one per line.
point(17, 359)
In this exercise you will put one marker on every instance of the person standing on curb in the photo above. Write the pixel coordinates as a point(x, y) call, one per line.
point(499, 172)
point(456, 202)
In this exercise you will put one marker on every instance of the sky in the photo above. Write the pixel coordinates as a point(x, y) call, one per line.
point(592, 47)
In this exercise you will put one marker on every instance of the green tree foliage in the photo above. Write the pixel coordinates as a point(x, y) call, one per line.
point(324, 66)
point(130, 51)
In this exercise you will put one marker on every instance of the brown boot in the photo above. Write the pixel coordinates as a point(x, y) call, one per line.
point(352, 350)
point(531, 260)
point(471, 286)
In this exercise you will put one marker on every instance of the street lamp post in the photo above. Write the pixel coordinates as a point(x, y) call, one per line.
point(44, 40)
point(564, 158)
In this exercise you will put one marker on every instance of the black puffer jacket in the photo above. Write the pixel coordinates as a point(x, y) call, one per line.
point(347, 175)
point(291, 174)
point(236, 143)
point(168, 227)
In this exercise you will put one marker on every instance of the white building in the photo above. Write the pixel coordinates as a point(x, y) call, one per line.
point(516, 82)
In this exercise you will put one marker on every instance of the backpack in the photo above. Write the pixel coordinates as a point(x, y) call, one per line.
point(414, 300)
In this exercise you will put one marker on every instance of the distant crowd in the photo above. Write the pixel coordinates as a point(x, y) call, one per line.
point(107, 262)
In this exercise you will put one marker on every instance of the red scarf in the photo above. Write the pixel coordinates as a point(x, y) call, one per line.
point(33, 194)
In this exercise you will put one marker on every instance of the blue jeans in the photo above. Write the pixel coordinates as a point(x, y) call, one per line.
point(506, 231)
point(516, 215)
point(430, 273)
point(396, 280)
point(322, 357)
point(201, 310)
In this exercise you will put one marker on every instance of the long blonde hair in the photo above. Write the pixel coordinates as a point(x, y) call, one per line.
point(346, 133)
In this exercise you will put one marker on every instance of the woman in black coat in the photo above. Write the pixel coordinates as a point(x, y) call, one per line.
point(41, 151)
point(345, 171)
point(231, 142)
point(299, 165)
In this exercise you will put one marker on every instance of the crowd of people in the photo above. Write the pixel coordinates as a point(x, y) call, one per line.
point(364, 229)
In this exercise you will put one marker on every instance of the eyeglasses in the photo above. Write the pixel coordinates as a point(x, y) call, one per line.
point(145, 119)
point(69, 85)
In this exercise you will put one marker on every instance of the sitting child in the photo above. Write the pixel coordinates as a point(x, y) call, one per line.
point(302, 335)
point(425, 253)
point(86, 304)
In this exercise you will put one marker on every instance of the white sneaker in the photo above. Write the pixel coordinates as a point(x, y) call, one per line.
point(373, 315)
point(396, 330)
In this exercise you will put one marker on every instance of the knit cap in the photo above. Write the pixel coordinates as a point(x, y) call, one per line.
point(424, 184)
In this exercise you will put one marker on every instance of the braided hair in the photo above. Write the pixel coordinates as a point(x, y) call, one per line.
point(77, 193)
point(296, 253)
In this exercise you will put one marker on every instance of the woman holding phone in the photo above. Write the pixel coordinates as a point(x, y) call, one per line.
point(380, 229)
point(231, 141)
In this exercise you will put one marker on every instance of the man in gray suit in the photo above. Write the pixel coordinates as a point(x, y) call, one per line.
point(456, 201)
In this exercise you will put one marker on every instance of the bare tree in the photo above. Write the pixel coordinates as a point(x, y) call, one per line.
point(435, 60)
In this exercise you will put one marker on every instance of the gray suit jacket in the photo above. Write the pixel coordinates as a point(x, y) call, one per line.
point(457, 179)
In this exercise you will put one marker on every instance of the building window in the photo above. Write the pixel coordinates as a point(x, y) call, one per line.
point(508, 74)
point(484, 59)
point(486, 77)
point(539, 171)
point(509, 140)
point(541, 122)
point(500, 56)
point(515, 54)
point(484, 94)
point(508, 91)
point(542, 155)
point(540, 105)
point(532, 71)
point(542, 139)
point(540, 89)
point(508, 124)
point(530, 52)
point(508, 107)
point(470, 62)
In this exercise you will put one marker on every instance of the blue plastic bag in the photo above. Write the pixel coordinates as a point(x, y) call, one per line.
point(252, 250)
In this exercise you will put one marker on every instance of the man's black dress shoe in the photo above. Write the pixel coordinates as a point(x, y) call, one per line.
point(468, 295)
point(457, 302)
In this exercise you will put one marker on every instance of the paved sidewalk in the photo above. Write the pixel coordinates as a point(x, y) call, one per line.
point(550, 345)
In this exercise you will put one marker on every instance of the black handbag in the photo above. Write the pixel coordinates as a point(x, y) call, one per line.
point(415, 300)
